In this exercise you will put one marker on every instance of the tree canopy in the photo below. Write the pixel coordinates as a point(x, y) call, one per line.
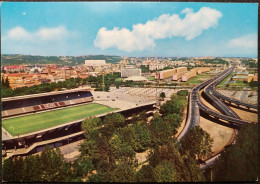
point(239, 162)
point(197, 143)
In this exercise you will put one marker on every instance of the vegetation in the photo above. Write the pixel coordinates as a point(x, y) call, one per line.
point(32, 123)
point(45, 87)
point(250, 63)
point(145, 69)
point(223, 82)
point(69, 60)
point(162, 95)
point(48, 167)
point(5, 83)
point(183, 93)
point(239, 162)
point(108, 152)
point(175, 105)
point(215, 61)
point(197, 79)
point(197, 143)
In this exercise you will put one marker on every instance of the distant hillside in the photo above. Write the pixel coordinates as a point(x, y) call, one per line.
point(64, 60)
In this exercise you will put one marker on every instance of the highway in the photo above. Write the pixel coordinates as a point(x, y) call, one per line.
point(217, 102)
point(230, 116)
point(223, 97)
point(195, 104)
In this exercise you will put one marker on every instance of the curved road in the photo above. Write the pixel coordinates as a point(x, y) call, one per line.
point(195, 104)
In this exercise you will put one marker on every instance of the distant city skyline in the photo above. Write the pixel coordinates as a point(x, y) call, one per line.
point(141, 29)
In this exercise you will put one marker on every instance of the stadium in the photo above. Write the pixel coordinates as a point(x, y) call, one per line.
point(31, 122)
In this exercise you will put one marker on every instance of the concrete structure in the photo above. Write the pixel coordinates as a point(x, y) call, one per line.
point(129, 72)
point(95, 62)
point(186, 76)
point(165, 74)
point(250, 77)
point(62, 134)
point(240, 78)
point(136, 79)
point(193, 72)
point(242, 73)
point(179, 72)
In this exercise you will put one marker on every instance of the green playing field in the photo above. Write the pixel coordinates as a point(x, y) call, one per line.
point(40, 121)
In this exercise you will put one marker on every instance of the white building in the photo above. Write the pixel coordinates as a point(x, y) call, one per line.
point(95, 62)
point(129, 72)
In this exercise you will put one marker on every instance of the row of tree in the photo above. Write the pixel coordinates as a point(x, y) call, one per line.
point(240, 161)
point(5, 83)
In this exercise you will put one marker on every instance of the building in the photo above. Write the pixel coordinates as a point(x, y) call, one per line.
point(242, 73)
point(165, 74)
point(179, 72)
point(129, 72)
point(240, 78)
point(187, 75)
point(95, 62)
point(250, 77)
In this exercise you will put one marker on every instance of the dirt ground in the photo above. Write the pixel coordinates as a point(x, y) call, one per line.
point(245, 115)
point(220, 134)
point(141, 157)
point(183, 121)
point(244, 96)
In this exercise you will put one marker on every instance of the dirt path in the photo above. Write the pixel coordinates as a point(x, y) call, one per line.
point(183, 120)
point(245, 115)
point(220, 134)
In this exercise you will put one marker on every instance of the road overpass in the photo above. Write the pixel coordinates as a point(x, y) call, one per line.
point(195, 104)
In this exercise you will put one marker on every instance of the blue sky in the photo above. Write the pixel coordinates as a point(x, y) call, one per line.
point(129, 29)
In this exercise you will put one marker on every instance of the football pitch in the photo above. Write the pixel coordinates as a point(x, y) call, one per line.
point(40, 121)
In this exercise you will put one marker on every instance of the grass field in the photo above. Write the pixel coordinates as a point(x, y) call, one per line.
point(40, 121)
point(223, 82)
point(196, 80)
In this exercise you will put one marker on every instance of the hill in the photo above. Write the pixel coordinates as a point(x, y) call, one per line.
point(17, 59)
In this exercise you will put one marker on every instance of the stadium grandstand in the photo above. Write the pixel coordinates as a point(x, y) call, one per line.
point(31, 122)
point(12, 106)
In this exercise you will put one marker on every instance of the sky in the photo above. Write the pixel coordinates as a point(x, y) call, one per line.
point(140, 29)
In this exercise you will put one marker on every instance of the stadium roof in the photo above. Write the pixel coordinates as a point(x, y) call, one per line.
point(44, 94)
point(136, 78)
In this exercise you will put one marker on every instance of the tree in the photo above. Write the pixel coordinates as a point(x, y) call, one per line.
point(8, 170)
point(53, 166)
point(160, 130)
point(145, 174)
point(182, 93)
point(112, 121)
point(120, 173)
point(7, 84)
point(173, 120)
point(198, 143)
point(170, 165)
point(165, 171)
point(81, 168)
point(162, 95)
point(31, 170)
point(122, 150)
point(18, 169)
point(239, 162)
point(3, 82)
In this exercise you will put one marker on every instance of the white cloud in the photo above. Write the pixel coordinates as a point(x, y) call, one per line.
point(247, 42)
point(24, 13)
point(44, 41)
point(143, 36)
point(43, 34)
